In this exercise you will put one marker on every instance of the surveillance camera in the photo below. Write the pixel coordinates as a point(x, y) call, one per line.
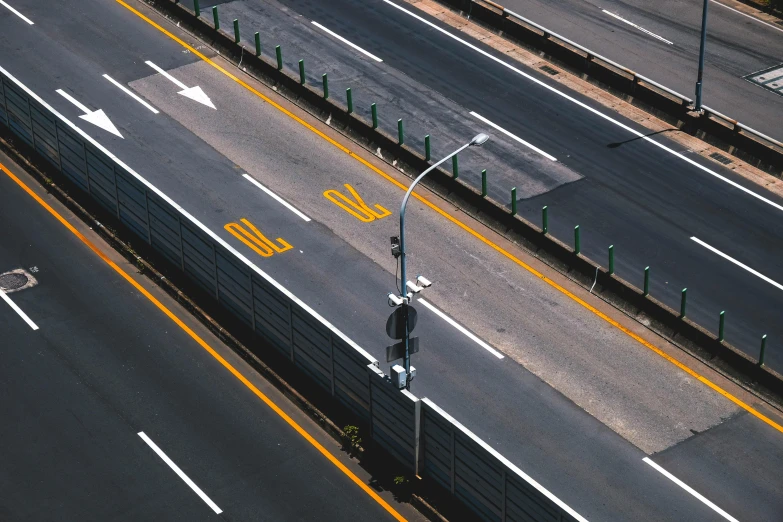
point(394, 300)
point(395, 246)
point(423, 281)
point(413, 288)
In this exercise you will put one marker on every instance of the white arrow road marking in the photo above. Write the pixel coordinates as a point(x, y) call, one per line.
point(194, 93)
point(97, 118)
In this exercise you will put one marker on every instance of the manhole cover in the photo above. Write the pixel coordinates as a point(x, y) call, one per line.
point(771, 79)
point(12, 281)
point(15, 280)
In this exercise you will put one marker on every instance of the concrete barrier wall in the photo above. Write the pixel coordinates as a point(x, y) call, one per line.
point(625, 296)
point(474, 473)
point(718, 129)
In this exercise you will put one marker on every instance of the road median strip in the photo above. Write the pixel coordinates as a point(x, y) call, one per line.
point(670, 324)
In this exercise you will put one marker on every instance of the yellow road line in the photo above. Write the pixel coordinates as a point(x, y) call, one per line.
point(291, 422)
point(465, 227)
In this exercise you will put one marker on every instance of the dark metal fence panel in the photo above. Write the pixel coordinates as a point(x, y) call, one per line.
point(450, 454)
point(3, 114)
point(485, 481)
point(393, 418)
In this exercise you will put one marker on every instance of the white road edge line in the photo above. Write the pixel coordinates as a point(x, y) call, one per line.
point(462, 329)
point(187, 215)
point(513, 136)
point(280, 200)
point(343, 40)
point(642, 29)
point(18, 310)
point(180, 473)
point(690, 490)
point(741, 265)
point(130, 93)
point(17, 13)
point(587, 107)
point(749, 16)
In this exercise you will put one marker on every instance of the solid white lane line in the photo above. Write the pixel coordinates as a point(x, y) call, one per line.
point(167, 75)
point(280, 200)
point(642, 29)
point(17, 13)
point(749, 16)
point(130, 93)
point(690, 490)
point(587, 107)
point(18, 310)
point(462, 329)
point(343, 40)
point(513, 136)
point(180, 473)
point(188, 216)
point(741, 265)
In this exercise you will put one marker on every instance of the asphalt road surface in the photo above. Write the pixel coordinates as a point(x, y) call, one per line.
point(648, 197)
point(738, 44)
point(198, 155)
point(94, 374)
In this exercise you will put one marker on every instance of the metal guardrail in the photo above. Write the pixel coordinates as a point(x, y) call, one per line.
point(331, 359)
point(684, 100)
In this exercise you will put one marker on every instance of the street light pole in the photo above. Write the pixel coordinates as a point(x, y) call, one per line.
point(478, 140)
point(697, 106)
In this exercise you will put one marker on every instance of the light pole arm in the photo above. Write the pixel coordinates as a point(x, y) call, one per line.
point(402, 214)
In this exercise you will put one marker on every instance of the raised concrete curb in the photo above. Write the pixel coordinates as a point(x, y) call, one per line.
point(652, 313)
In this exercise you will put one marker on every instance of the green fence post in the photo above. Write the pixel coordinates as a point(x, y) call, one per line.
point(236, 30)
point(400, 132)
point(577, 243)
point(763, 349)
point(484, 183)
point(682, 302)
point(611, 259)
point(545, 219)
point(647, 281)
point(196, 8)
point(350, 99)
point(258, 44)
point(427, 151)
point(215, 18)
point(374, 112)
point(514, 201)
point(326, 86)
point(301, 72)
point(721, 324)
point(455, 166)
point(279, 54)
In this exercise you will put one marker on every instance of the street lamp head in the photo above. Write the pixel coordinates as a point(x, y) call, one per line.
point(479, 140)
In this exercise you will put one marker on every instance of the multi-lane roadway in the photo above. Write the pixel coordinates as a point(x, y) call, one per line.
point(222, 155)
point(117, 405)
point(660, 40)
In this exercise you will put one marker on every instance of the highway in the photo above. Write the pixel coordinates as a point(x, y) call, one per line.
point(103, 395)
point(693, 221)
point(340, 265)
point(740, 41)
